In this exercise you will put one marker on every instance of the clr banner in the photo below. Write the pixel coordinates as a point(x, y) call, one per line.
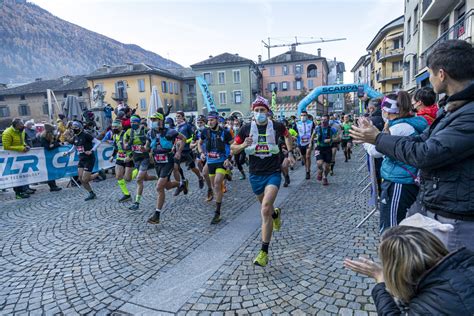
point(40, 165)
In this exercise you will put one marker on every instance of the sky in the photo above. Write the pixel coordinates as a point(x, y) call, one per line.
point(188, 31)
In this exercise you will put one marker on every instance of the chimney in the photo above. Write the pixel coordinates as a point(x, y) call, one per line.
point(107, 67)
point(319, 52)
point(129, 66)
point(210, 56)
point(293, 48)
point(237, 54)
point(259, 59)
point(38, 79)
point(66, 79)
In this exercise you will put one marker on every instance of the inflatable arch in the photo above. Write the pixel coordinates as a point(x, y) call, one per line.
point(341, 88)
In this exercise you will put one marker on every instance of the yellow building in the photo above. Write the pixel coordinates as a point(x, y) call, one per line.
point(386, 54)
point(132, 84)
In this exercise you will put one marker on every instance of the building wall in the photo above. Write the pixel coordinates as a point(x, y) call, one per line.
point(413, 10)
point(384, 78)
point(137, 98)
point(37, 106)
point(228, 87)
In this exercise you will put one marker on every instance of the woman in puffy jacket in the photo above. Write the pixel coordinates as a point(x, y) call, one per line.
point(398, 188)
point(418, 275)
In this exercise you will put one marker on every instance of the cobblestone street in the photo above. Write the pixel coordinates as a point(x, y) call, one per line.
point(60, 254)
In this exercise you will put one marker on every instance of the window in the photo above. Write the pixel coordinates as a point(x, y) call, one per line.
point(312, 71)
point(415, 65)
point(22, 97)
point(236, 74)
point(409, 30)
point(397, 43)
point(121, 90)
point(65, 95)
point(172, 102)
point(45, 108)
point(396, 86)
point(141, 85)
point(298, 85)
point(208, 77)
point(177, 105)
point(285, 70)
point(272, 86)
point(272, 71)
point(166, 102)
point(79, 94)
point(164, 87)
point(237, 97)
point(415, 19)
point(176, 88)
point(221, 75)
point(24, 110)
point(460, 12)
point(143, 104)
point(310, 84)
point(298, 69)
point(222, 97)
point(407, 72)
point(170, 87)
point(4, 111)
point(2, 98)
point(191, 88)
point(284, 86)
point(397, 66)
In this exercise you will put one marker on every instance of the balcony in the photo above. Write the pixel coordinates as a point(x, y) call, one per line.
point(390, 53)
point(389, 76)
point(435, 9)
point(462, 30)
point(120, 96)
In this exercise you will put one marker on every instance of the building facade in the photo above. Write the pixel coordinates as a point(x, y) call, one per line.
point(430, 22)
point(386, 51)
point(336, 102)
point(233, 81)
point(294, 74)
point(30, 101)
point(132, 84)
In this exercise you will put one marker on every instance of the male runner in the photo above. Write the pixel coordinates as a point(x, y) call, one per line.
point(259, 140)
point(305, 130)
point(123, 160)
point(160, 141)
point(346, 141)
point(336, 140)
point(323, 134)
point(214, 147)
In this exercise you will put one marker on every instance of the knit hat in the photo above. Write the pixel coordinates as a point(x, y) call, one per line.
point(77, 124)
point(260, 101)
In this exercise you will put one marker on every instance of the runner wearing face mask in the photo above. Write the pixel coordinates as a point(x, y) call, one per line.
point(259, 140)
point(85, 145)
point(135, 140)
point(161, 141)
point(201, 126)
point(305, 130)
point(123, 160)
point(240, 158)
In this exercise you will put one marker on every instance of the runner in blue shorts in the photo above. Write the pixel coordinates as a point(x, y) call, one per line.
point(259, 139)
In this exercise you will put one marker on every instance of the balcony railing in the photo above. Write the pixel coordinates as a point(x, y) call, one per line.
point(426, 4)
point(393, 52)
point(462, 30)
point(394, 75)
point(120, 96)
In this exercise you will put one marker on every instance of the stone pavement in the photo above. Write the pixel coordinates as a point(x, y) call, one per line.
point(62, 255)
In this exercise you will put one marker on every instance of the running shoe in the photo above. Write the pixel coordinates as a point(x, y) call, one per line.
point(320, 176)
point(135, 206)
point(22, 195)
point(308, 176)
point(287, 181)
point(216, 219)
point(277, 221)
point(210, 195)
point(91, 196)
point(261, 259)
point(242, 177)
point(125, 198)
point(186, 186)
point(102, 174)
point(325, 181)
point(201, 183)
point(155, 219)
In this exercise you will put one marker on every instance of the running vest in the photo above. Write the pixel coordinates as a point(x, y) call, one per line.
point(304, 132)
point(263, 145)
point(216, 143)
point(346, 129)
point(321, 137)
point(136, 142)
point(121, 153)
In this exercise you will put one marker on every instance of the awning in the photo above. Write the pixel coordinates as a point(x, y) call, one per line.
point(422, 77)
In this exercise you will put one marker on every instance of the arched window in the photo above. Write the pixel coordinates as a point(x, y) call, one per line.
point(312, 71)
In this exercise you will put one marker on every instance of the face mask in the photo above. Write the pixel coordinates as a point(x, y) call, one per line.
point(260, 117)
point(77, 131)
point(201, 128)
point(135, 126)
point(304, 118)
point(155, 125)
point(115, 131)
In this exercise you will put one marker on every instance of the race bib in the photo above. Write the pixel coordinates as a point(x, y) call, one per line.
point(161, 158)
point(262, 150)
point(137, 148)
point(122, 155)
point(80, 149)
point(213, 155)
point(305, 139)
point(316, 152)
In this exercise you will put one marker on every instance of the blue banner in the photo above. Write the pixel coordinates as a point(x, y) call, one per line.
point(206, 93)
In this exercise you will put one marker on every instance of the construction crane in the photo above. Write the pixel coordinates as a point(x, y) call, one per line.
point(296, 43)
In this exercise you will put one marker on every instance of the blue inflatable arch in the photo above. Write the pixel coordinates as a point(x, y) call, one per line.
point(341, 88)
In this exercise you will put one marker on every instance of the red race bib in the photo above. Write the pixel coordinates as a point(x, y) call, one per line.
point(161, 158)
point(80, 149)
point(213, 155)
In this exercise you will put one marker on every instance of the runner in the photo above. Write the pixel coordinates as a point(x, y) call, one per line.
point(214, 147)
point(305, 130)
point(135, 140)
point(201, 126)
point(161, 141)
point(187, 157)
point(336, 140)
point(259, 140)
point(285, 164)
point(346, 140)
point(85, 145)
point(323, 135)
point(239, 159)
point(123, 160)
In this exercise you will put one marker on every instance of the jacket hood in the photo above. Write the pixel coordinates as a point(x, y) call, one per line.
point(419, 123)
point(430, 111)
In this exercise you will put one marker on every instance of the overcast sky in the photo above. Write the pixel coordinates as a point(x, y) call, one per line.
point(189, 31)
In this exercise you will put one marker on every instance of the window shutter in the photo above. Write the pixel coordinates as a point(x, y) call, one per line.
point(294, 85)
point(269, 87)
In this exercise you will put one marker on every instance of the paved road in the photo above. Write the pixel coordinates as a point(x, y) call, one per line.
point(60, 254)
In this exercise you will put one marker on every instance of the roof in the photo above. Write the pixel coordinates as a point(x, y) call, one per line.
point(65, 83)
point(291, 56)
point(184, 73)
point(384, 30)
point(360, 62)
point(130, 69)
point(225, 58)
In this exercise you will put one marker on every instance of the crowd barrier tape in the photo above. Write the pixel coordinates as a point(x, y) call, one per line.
point(40, 165)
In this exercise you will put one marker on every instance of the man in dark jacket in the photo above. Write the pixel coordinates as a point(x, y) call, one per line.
point(444, 153)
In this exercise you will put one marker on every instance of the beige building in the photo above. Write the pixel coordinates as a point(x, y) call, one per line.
point(386, 57)
point(30, 101)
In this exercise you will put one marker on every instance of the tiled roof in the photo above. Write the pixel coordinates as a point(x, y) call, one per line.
point(224, 58)
point(184, 73)
point(129, 69)
point(291, 56)
point(66, 83)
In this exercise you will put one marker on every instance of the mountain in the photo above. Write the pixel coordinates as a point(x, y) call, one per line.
point(36, 44)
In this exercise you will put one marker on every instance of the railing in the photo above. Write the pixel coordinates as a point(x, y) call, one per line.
point(394, 75)
point(390, 53)
point(426, 4)
point(119, 96)
point(460, 30)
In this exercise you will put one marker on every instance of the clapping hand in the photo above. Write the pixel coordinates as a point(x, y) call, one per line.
point(366, 267)
point(366, 132)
